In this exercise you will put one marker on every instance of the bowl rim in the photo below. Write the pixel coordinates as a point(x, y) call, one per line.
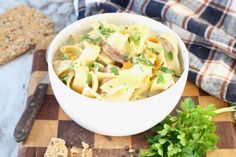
point(183, 49)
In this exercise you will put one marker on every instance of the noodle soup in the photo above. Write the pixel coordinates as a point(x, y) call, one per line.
point(118, 62)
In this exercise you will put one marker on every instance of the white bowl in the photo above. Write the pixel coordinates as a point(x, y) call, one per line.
point(115, 118)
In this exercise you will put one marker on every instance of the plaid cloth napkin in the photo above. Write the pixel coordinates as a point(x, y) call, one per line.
point(208, 28)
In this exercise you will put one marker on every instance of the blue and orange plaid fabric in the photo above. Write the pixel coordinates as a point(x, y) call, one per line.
point(208, 28)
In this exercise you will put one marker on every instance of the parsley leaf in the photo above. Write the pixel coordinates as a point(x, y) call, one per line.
point(97, 65)
point(167, 70)
point(144, 60)
point(115, 70)
point(89, 78)
point(94, 65)
point(127, 57)
point(136, 38)
point(105, 31)
point(64, 79)
point(190, 133)
point(152, 50)
point(91, 65)
point(65, 56)
point(160, 79)
point(187, 105)
point(170, 55)
point(91, 40)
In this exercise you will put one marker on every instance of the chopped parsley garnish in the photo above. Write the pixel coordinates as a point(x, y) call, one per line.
point(94, 65)
point(110, 86)
point(86, 37)
point(127, 57)
point(160, 79)
point(144, 61)
point(115, 70)
point(65, 56)
point(105, 31)
point(64, 79)
point(169, 54)
point(152, 50)
point(102, 62)
point(91, 40)
point(89, 78)
point(97, 65)
point(91, 65)
point(97, 40)
point(167, 70)
point(136, 38)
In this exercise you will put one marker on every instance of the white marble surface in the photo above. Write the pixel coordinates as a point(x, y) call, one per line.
point(14, 76)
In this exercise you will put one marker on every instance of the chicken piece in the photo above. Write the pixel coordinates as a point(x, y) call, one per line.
point(113, 53)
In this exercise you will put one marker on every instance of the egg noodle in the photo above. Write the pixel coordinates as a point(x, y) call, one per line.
point(118, 63)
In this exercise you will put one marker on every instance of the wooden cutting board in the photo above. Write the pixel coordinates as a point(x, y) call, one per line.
point(52, 122)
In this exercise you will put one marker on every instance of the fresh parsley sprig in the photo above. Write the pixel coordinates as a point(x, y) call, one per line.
point(190, 133)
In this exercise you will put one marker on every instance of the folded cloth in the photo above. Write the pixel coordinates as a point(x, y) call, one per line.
point(207, 27)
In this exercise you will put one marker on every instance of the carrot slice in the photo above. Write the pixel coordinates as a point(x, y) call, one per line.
point(149, 55)
point(127, 65)
point(157, 63)
point(153, 39)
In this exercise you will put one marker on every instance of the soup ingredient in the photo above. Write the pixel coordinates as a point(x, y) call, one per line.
point(190, 133)
point(113, 53)
point(153, 39)
point(127, 65)
point(115, 70)
point(144, 61)
point(167, 70)
point(105, 31)
point(118, 62)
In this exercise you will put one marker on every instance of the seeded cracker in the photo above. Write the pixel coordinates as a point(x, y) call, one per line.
point(20, 29)
point(56, 148)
